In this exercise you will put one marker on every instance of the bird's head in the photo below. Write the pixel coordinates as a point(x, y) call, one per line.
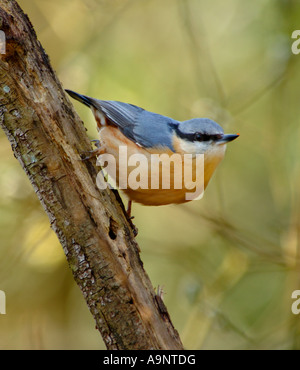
point(202, 136)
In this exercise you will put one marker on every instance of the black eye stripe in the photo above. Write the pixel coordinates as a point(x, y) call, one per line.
point(206, 137)
point(217, 137)
point(201, 137)
point(197, 136)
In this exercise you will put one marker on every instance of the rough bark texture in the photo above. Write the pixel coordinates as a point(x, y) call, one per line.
point(47, 138)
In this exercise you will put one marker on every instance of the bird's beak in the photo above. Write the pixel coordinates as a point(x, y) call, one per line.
point(226, 138)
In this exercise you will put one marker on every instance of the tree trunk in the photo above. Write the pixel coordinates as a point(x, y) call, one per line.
point(47, 138)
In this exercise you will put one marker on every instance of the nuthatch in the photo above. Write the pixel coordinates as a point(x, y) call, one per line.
point(145, 133)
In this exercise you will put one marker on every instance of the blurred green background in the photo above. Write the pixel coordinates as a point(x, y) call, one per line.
point(228, 263)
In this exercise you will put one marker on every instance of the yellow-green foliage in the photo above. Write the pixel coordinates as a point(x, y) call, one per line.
point(228, 263)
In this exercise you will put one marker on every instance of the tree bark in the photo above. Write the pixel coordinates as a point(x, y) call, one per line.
point(47, 138)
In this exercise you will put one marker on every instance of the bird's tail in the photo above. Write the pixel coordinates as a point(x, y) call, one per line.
point(82, 98)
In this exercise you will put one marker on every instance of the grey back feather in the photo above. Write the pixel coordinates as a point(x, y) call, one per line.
point(145, 128)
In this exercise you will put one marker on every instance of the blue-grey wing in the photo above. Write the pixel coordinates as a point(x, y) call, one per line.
point(121, 114)
point(144, 128)
point(154, 130)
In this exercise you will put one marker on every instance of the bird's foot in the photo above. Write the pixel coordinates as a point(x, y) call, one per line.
point(92, 153)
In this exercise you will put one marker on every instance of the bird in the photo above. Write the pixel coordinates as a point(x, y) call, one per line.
point(147, 135)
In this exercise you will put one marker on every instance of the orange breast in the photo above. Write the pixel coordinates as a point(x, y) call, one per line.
point(155, 176)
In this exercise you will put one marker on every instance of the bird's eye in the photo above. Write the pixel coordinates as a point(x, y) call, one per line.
point(198, 137)
point(201, 137)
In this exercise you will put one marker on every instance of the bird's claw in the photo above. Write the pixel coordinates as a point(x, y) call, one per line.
point(92, 153)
